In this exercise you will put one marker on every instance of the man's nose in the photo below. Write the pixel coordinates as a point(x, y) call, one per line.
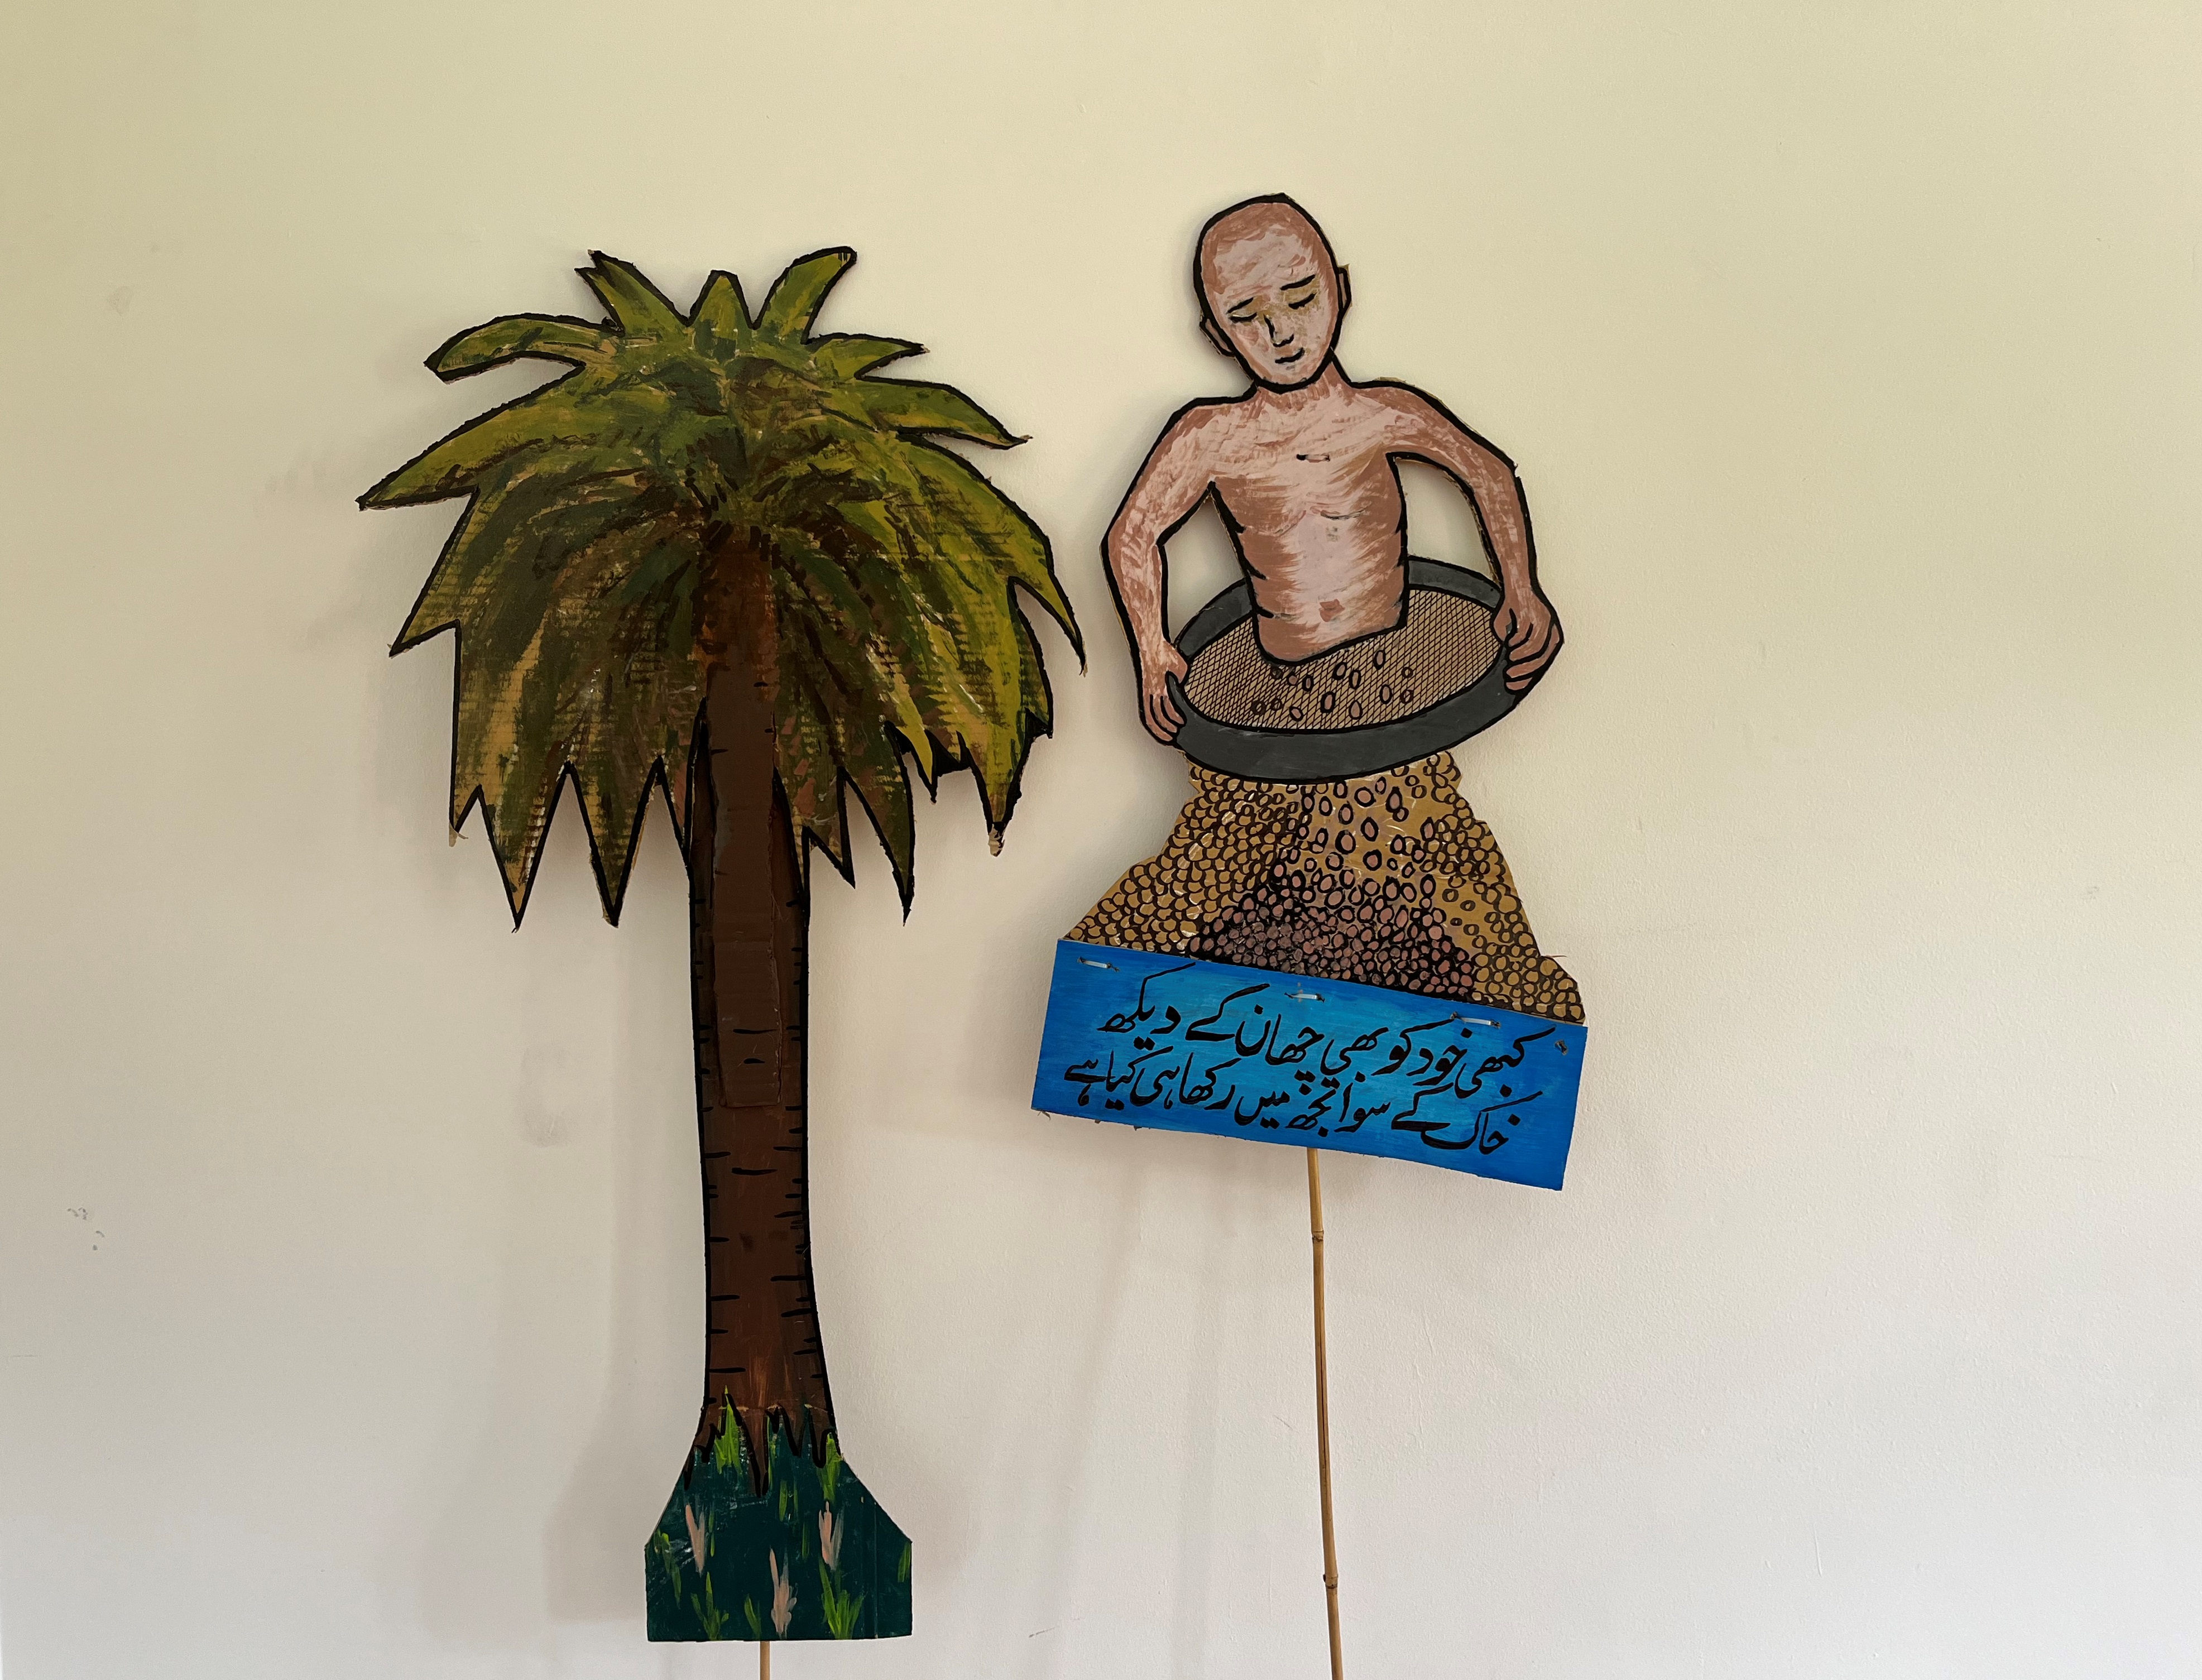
point(1276, 342)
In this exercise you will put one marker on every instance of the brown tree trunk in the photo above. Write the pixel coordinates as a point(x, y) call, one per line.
point(748, 923)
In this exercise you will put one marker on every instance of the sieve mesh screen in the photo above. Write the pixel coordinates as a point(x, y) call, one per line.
point(1444, 643)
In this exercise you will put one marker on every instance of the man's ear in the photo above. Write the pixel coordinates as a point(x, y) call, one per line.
point(1217, 337)
point(1344, 291)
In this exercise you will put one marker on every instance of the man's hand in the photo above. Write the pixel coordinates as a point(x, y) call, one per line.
point(1526, 622)
point(1156, 709)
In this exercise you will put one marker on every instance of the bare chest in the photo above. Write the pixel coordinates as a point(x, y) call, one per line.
point(1332, 465)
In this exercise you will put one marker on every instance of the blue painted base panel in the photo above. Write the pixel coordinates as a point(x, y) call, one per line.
point(1181, 1044)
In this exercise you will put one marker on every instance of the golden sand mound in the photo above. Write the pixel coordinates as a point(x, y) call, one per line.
point(1389, 880)
point(1444, 643)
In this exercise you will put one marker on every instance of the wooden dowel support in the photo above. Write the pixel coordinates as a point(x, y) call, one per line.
point(1323, 1416)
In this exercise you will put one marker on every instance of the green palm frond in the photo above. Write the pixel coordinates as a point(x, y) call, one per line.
point(792, 304)
point(556, 337)
point(600, 507)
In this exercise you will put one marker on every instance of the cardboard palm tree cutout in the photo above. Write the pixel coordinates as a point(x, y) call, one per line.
point(722, 559)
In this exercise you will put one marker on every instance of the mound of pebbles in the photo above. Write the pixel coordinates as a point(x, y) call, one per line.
point(1388, 880)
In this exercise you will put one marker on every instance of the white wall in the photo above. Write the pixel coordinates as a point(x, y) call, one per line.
point(349, 1290)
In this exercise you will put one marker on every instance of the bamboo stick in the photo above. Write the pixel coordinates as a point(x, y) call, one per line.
point(1322, 1417)
point(765, 1659)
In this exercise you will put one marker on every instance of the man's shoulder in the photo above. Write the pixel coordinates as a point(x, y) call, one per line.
point(1397, 397)
point(1202, 427)
point(1419, 419)
point(1208, 414)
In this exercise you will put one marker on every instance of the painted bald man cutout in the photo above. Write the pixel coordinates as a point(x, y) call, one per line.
point(1301, 464)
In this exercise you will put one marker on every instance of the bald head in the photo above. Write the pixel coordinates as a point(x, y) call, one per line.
point(1271, 292)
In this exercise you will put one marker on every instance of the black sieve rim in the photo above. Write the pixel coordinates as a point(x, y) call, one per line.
point(1332, 755)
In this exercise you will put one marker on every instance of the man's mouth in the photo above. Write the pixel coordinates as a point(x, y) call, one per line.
point(1294, 357)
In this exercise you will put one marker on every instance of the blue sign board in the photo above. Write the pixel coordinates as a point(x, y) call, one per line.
point(1183, 1044)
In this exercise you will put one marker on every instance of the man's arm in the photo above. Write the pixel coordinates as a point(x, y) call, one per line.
point(1525, 621)
point(1170, 483)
